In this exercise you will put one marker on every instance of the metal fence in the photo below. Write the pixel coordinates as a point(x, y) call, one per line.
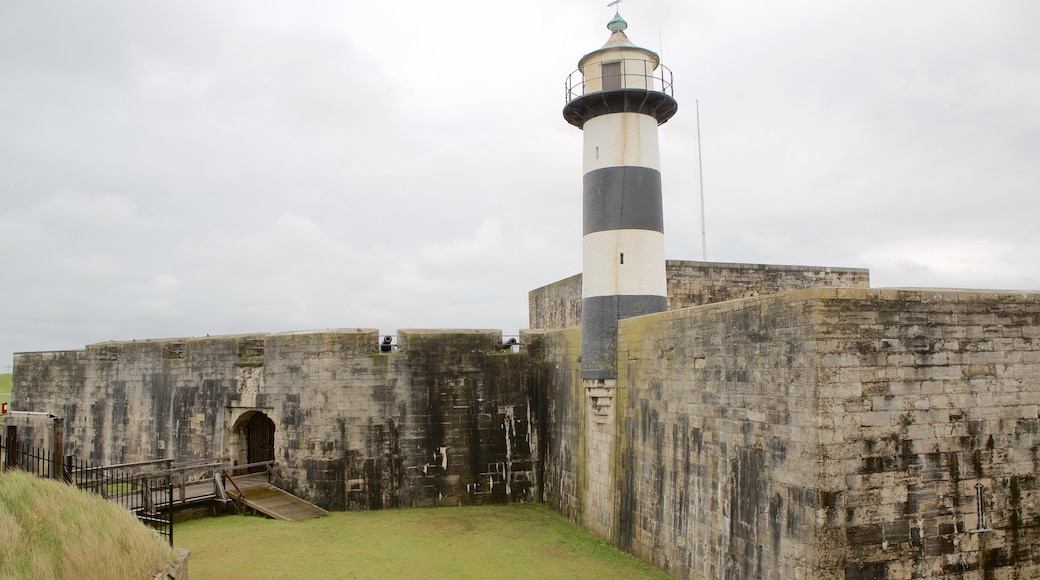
point(141, 487)
point(634, 74)
point(29, 459)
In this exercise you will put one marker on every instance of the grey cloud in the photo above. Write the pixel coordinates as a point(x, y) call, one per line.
point(198, 167)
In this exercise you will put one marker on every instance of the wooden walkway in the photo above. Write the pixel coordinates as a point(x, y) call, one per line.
point(254, 491)
point(191, 493)
point(173, 486)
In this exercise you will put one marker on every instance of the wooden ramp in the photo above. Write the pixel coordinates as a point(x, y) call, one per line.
point(254, 491)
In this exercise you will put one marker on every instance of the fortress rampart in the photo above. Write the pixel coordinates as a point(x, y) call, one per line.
point(840, 432)
point(444, 419)
point(824, 433)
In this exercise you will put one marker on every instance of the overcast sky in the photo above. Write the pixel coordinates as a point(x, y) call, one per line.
point(220, 167)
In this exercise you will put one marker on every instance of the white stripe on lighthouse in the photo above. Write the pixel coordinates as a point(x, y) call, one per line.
point(621, 139)
point(623, 262)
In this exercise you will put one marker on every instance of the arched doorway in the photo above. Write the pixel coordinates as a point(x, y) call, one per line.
point(259, 439)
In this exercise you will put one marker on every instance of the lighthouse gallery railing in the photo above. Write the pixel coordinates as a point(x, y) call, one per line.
point(637, 74)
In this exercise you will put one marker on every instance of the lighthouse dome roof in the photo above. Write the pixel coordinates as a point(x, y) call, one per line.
point(617, 23)
point(618, 41)
point(618, 38)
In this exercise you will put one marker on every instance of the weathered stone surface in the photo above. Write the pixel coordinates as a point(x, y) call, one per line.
point(826, 433)
point(821, 433)
point(445, 419)
point(558, 305)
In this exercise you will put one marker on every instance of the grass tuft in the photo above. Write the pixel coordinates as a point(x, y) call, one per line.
point(52, 530)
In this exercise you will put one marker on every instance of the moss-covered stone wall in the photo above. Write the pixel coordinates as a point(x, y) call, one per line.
point(821, 433)
point(832, 433)
point(558, 305)
point(447, 418)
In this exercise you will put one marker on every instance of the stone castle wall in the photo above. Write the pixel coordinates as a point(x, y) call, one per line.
point(699, 283)
point(822, 433)
point(565, 480)
point(558, 305)
point(446, 419)
point(830, 433)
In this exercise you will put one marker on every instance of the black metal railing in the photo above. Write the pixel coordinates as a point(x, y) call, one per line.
point(29, 459)
point(635, 73)
point(138, 487)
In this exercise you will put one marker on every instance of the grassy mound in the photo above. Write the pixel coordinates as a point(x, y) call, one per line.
point(52, 530)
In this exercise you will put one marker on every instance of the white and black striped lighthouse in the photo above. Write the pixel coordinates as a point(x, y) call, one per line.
point(618, 97)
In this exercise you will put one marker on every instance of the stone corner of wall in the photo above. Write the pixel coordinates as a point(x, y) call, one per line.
point(562, 282)
point(178, 569)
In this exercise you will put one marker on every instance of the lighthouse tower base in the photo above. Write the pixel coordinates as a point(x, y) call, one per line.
point(600, 503)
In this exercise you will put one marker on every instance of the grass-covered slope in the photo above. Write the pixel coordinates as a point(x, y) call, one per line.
point(52, 530)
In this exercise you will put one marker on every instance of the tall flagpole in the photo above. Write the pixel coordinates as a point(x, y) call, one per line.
point(700, 173)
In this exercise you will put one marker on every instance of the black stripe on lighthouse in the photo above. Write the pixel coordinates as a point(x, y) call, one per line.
point(599, 325)
point(622, 198)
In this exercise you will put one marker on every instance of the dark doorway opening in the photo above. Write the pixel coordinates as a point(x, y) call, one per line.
point(259, 440)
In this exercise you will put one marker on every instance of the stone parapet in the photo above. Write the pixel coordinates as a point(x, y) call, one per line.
point(558, 305)
point(820, 433)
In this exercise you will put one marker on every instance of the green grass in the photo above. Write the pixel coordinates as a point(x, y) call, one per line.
point(525, 541)
point(5, 388)
point(52, 530)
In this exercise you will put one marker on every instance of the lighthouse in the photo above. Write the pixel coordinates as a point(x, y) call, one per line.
point(618, 96)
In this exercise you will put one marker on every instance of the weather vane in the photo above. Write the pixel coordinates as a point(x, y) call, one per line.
point(614, 5)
